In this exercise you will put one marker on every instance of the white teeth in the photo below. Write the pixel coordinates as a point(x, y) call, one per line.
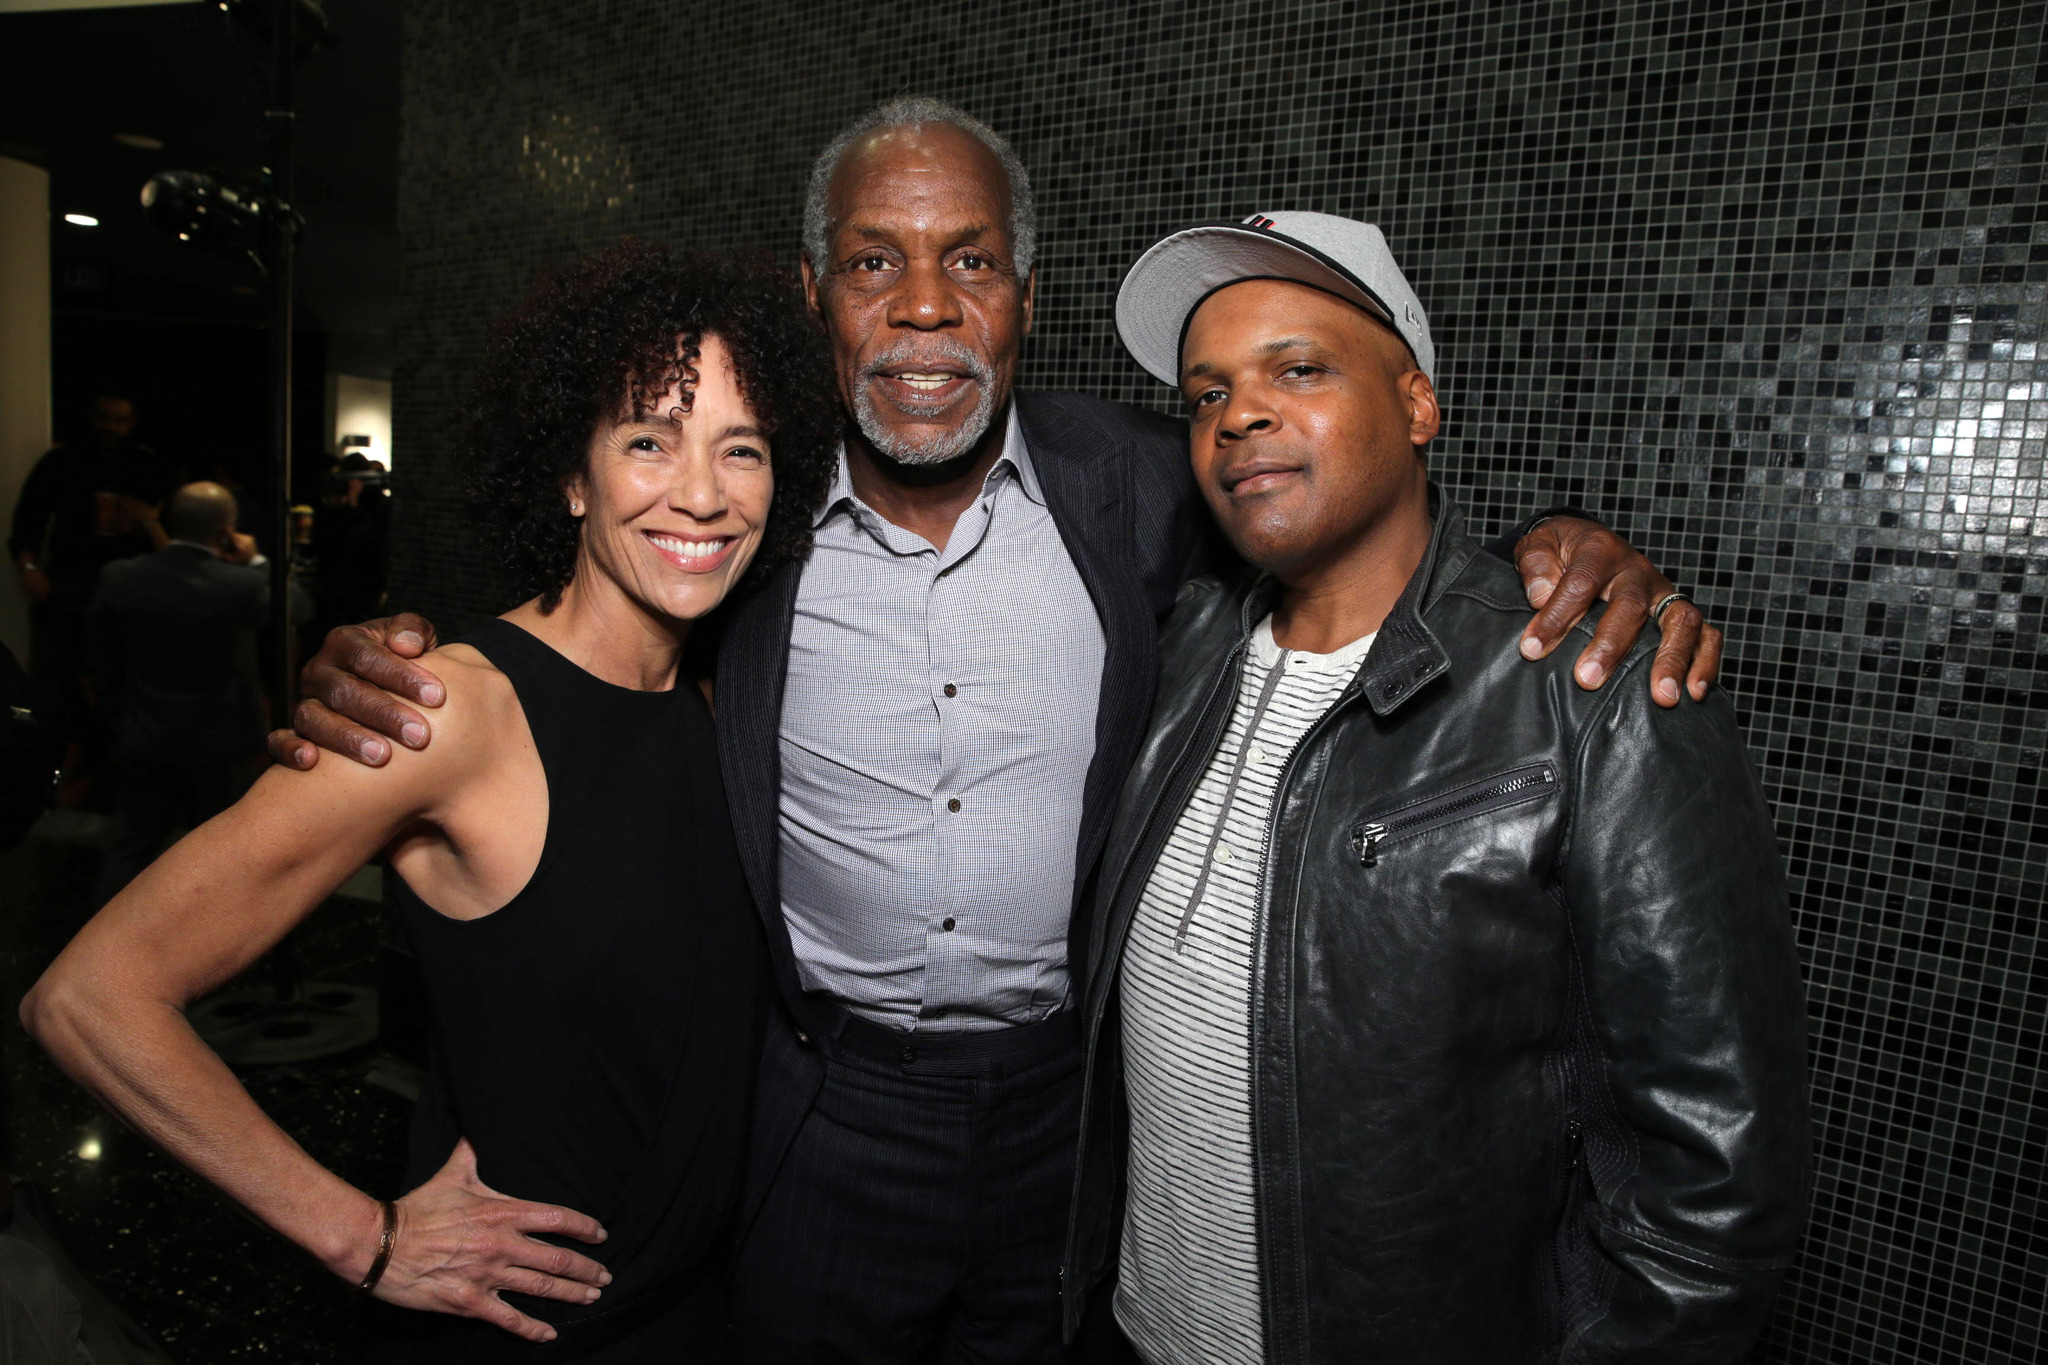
point(927, 381)
point(690, 549)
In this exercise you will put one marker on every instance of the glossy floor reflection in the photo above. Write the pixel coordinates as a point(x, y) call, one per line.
point(207, 1282)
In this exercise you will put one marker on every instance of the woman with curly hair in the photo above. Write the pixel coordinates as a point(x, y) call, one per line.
point(649, 428)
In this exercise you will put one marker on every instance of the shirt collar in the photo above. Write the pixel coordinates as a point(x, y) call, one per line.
point(1016, 459)
point(1018, 454)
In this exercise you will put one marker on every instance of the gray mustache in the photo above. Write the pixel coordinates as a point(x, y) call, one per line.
point(911, 351)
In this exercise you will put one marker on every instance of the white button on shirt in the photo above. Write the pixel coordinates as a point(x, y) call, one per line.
point(938, 722)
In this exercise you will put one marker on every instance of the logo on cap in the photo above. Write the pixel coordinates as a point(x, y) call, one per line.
point(1258, 220)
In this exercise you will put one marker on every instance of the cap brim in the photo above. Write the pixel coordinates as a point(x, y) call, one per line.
point(1164, 286)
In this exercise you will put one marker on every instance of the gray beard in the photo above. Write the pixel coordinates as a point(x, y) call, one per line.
point(938, 448)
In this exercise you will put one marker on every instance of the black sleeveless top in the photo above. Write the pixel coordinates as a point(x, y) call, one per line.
point(595, 1038)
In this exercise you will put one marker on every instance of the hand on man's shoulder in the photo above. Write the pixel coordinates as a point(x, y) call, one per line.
point(1492, 584)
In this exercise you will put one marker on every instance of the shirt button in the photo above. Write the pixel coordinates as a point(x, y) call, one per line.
point(952, 691)
point(1223, 853)
point(947, 924)
point(1258, 755)
point(954, 804)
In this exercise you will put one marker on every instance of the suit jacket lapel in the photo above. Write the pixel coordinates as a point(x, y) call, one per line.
point(753, 665)
point(1086, 487)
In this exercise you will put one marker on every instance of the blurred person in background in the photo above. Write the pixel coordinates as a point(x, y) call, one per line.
point(172, 645)
point(349, 536)
point(85, 504)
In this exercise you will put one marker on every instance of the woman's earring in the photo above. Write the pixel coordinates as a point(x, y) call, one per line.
point(575, 509)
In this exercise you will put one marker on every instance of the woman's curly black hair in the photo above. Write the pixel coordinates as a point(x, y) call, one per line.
point(602, 339)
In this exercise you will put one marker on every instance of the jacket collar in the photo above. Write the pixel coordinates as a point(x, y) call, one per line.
point(1407, 655)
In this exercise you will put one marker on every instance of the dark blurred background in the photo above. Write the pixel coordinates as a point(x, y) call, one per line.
point(1762, 284)
point(102, 98)
point(98, 303)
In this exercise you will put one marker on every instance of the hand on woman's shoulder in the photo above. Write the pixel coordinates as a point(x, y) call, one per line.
point(475, 724)
point(470, 733)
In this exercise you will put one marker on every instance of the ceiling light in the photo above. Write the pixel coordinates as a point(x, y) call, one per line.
point(81, 220)
point(139, 142)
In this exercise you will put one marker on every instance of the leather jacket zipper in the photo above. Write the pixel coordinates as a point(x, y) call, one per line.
point(1181, 777)
point(1477, 798)
point(1255, 1001)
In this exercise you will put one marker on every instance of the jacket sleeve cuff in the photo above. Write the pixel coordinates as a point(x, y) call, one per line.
point(1504, 548)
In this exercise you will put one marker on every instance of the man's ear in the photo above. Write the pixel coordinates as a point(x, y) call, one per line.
point(1030, 298)
point(1424, 417)
point(812, 286)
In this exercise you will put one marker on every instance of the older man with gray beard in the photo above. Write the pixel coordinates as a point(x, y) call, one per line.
point(923, 729)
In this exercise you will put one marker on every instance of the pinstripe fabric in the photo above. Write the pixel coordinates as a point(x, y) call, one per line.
point(1188, 1288)
point(919, 1213)
point(936, 734)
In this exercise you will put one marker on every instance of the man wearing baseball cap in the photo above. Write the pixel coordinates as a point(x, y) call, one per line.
point(1438, 1009)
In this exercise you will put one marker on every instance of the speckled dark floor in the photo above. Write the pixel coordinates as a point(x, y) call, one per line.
point(210, 1285)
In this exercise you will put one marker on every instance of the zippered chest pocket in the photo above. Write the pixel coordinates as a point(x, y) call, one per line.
point(1369, 838)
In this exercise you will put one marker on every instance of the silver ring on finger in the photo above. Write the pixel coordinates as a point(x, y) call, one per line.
point(1675, 595)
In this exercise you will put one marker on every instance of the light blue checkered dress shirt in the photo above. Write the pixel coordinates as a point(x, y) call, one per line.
point(937, 725)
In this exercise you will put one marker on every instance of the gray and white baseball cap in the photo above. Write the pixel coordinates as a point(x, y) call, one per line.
point(1347, 258)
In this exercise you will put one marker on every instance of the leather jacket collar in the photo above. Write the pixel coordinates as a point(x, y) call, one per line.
point(1407, 656)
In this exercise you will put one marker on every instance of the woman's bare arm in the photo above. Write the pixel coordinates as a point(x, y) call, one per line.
point(111, 1011)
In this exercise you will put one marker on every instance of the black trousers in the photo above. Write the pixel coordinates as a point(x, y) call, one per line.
point(920, 1212)
point(691, 1329)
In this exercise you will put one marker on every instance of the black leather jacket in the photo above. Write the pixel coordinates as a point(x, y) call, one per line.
point(1529, 1076)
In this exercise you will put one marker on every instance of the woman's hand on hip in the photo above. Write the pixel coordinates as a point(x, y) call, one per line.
point(460, 1243)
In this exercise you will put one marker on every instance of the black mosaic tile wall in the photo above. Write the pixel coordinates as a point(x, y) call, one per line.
point(1762, 283)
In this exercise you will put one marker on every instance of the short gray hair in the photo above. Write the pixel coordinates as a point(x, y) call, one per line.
point(913, 111)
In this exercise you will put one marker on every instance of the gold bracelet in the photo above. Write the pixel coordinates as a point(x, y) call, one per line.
point(384, 1245)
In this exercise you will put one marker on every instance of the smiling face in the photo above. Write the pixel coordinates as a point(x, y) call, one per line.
point(921, 297)
point(674, 501)
point(1305, 423)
